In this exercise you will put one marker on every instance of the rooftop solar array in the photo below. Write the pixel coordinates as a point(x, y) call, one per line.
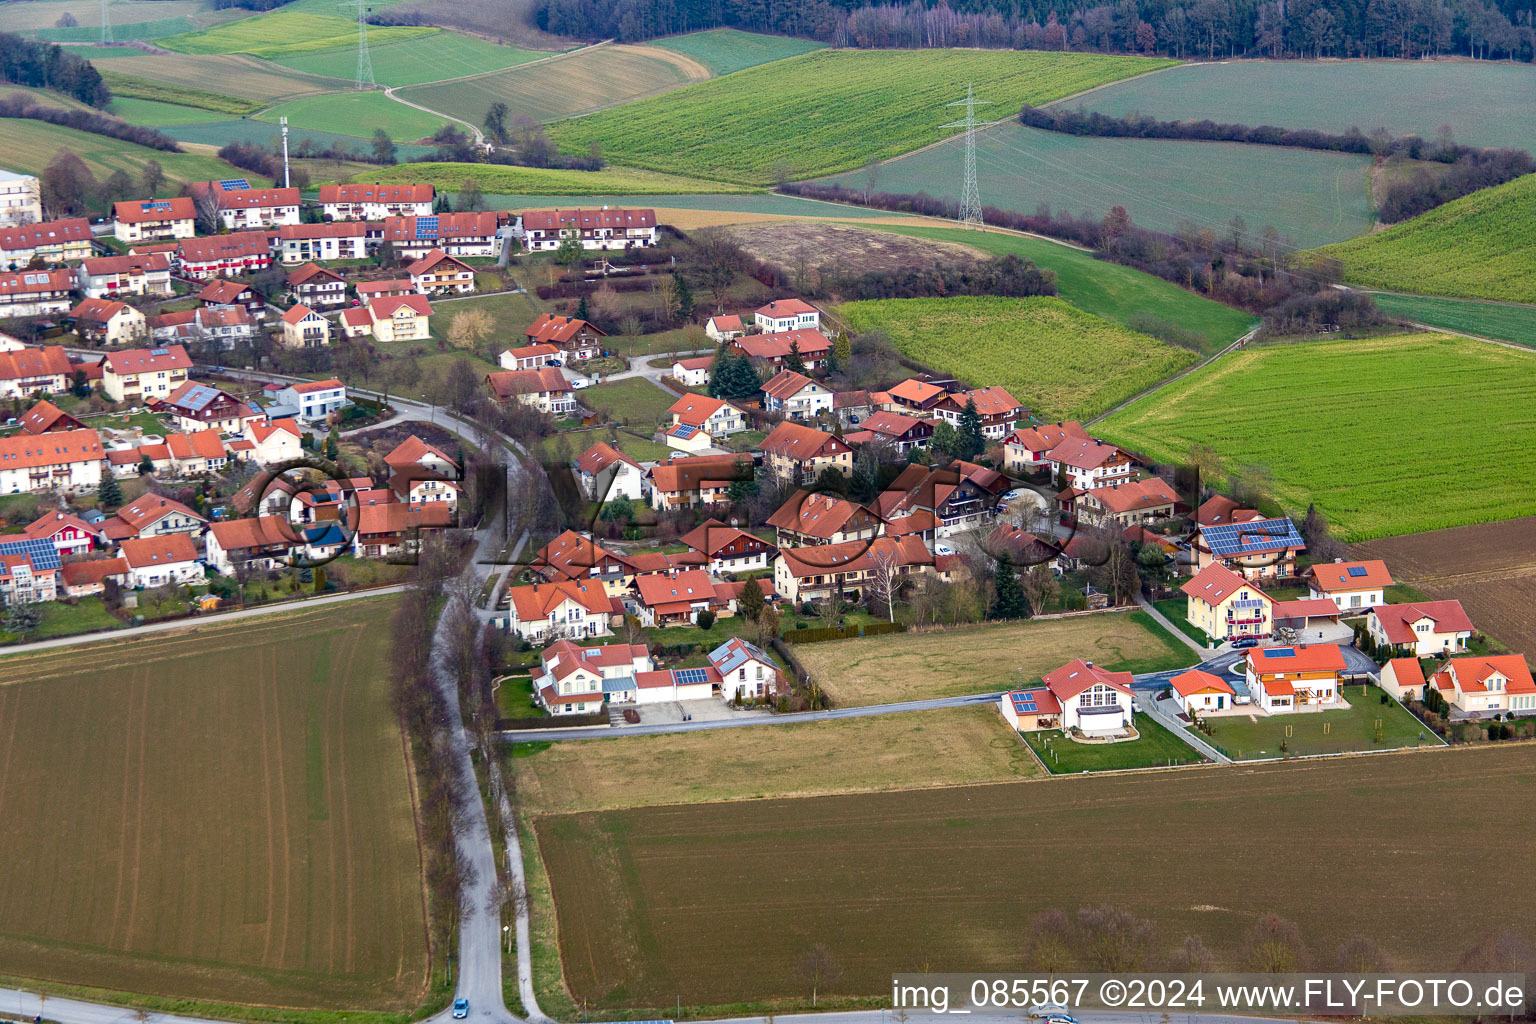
point(685, 676)
point(1280, 652)
point(41, 550)
point(155, 204)
point(426, 227)
point(234, 184)
point(1024, 703)
point(683, 431)
point(1246, 538)
point(1357, 571)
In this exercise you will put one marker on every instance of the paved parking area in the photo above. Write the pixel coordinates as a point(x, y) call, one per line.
point(672, 712)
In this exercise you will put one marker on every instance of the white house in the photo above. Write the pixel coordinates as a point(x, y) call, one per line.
point(1488, 684)
point(572, 680)
point(1093, 701)
point(247, 208)
point(1087, 463)
point(1025, 451)
point(562, 609)
point(20, 199)
point(1424, 629)
point(135, 374)
point(63, 460)
point(36, 292)
point(746, 670)
point(796, 396)
point(1285, 679)
point(673, 599)
point(303, 243)
point(274, 440)
point(315, 399)
point(1352, 586)
point(302, 327)
point(715, 416)
point(693, 373)
point(724, 328)
point(152, 515)
point(787, 315)
point(606, 473)
point(376, 201)
point(107, 277)
point(158, 561)
point(422, 474)
point(261, 544)
point(604, 228)
point(1196, 691)
point(149, 220)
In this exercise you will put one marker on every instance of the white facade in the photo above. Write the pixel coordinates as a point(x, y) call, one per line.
point(84, 474)
point(20, 199)
point(314, 404)
point(1350, 600)
point(1093, 710)
point(793, 317)
point(162, 573)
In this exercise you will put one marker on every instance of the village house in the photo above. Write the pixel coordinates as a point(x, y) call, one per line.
point(1086, 463)
point(69, 534)
point(851, 407)
point(579, 339)
point(713, 416)
point(1286, 679)
point(35, 292)
point(317, 287)
point(1403, 678)
point(795, 396)
point(605, 473)
point(694, 372)
point(746, 671)
point(161, 560)
point(369, 290)
point(437, 273)
point(151, 220)
point(546, 389)
point(1078, 696)
point(107, 277)
point(796, 453)
point(28, 371)
point(303, 243)
point(218, 327)
point(302, 327)
point(390, 529)
point(787, 315)
point(1256, 549)
point(238, 546)
point(893, 430)
point(1196, 691)
point(457, 234)
point(1025, 451)
point(125, 461)
point(1124, 504)
point(698, 480)
point(243, 208)
point(273, 440)
point(914, 397)
point(531, 357)
point(136, 374)
point(52, 241)
point(605, 228)
point(997, 410)
point(196, 454)
point(422, 474)
point(376, 201)
point(1424, 629)
point(565, 609)
point(29, 572)
point(315, 400)
point(88, 578)
point(1225, 606)
point(933, 502)
point(673, 599)
point(572, 680)
point(194, 406)
point(244, 252)
point(1352, 586)
point(1483, 686)
point(809, 518)
point(47, 418)
point(728, 549)
point(573, 556)
point(108, 322)
point(392, 318)
point(21, 198)
point(152, 515)
point(1219, 510)
point(223, 292)
point(723, 328)
point(67, 460)
point(847, 570)
point(775, 349)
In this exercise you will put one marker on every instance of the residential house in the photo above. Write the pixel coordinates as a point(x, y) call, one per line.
point(108, 322)
point(795, 396)
point(545, 389)
point(674, 599)
point(796, 453)
point(391, 529)
point(368, 290)
point(1224, 606)
point(997, 410)
point(775, 348)
point(29, 371)
point(161, 560)
point(1286, 679)
point(746, 671)
point(532, 357)
point(1032, 710)
point(217, 327)
point(47, 418)
point(1487, 685)
point(723, 328)
point(152, 515)
point(1078, 696)
point(573, 556)
point(1423, 629)
point(264, 544)
point(457, 234)
point(787, 315)
point(667, 686)
point(69, 534)
point(915, 397)
point(1086, 463)
point(437, 273)
point(244, 208)
point(394, 318)
point(605, 228)
point(274, 440)
point(1256, 549)
point(933, 502)
point(572, 680)
point(107, 277)
point(21, 199)
point(224, 292)
point(697, 480)
point(196, 454)
point(35, 292)
point(579, 339)
point(1125, 504)
point(565, 609)
point(606, 473)
point(302, 243)
point(1219, 510)
point(1352, 586)
point(315, 399)
point(1195, 691)
point(317, 287)
point(84, 579)
point(376, 201)
point(849, 569)
point(304, 328)
point(1403, 678)
point(195, 406)
point(243, 252)
point(728, 549)
point(67, 460)
point(29, 572)
point(149, 220)
point(713, 416)
point(1025, 451)
point(852, 407)
point(422, 474)
point(893, 430)
point(694, 372)
point(52, 241)
point(136, 374)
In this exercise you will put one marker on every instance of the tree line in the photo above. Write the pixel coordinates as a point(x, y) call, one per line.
point(47, 66)
point(1208, 28)
point(24, 106)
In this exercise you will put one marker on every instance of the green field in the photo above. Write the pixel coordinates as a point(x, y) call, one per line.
point(155, 113)
point(1479, 246)
point(579, 83)
point(284, 31)
point(1351, 728)
point(1107, 289)
point(828, 111)
point(29, 145)
point(227, 74)
point(1156, 747)
point(138, 31)
point(239, 836)
point(1377, 432)
point(724, 50)
point(1310, 197)
point(1485, 319)
point(1488, 103)
point(429, 58)
point(39, 14)
point(356, 113)
point(1056, 359)
point(636, 401)
point(125, 86)
point(499, 179)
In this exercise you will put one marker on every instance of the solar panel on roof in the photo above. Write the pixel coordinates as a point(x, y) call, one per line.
point(234, 184)
point(1357, 571)
point(684, 431)
point(426, 227)
point(1280, 652)
point(41, 550)
point(159, 351)
point(688, 676)
point(1237, 538)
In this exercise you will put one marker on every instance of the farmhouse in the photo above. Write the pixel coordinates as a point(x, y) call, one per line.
point(606, 473)
point(604, 228)
point(136, 374)
point(1350, 585)
point(808, 519)
point(562, 609)
point(457, 234)
point(577, 680)
point(376, 201)
point(27, 371)
point(848, 569)
point(52, 241)
point(1225, 606)
point(728, 549)
point(775, 348)
point(795, 396)
point(787, 315)
point(1487, 685)
point(797, 453)
point(437, 273)
point(713, 416)
point(162, 560)
point(1256, 549)
point(315, 400)
point(1025, 451)
point(1086, 463)
point(994, 406)
point(150, 220)
point(107, 277)
point(108, 322)
point(723, 328)
point(241, 207)
point(546, 389)
point(693, 373)
point(1423, 629)
point(302, 327)
point(244, 252)
point(579, 339)
point(35, 292)
point(1285, 679)
point(47, 418)
point(314, 286)
point(1079, 696)
point(1195, 691)
point(301, 243)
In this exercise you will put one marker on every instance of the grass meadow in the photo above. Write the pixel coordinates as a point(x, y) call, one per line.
point(225, 74)
point(1056, 359)
point(637, 402)
point(428, 58)
point(1377, 432)
point(1154, 747)
point(30, 145)
point(286, 30)
point(1501, 321)
point(660, 907)
point(501, 179)
point(356, 113)
point(219, 815)
point(726, 50)
point(828, 111)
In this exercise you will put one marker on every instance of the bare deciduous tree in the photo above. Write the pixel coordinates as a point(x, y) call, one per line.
point(469, 328)
point(818, 968)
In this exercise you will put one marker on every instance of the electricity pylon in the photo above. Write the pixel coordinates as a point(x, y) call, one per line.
point(970, 192)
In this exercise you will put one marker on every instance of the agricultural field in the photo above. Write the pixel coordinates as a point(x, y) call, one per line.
point(833, 249)
point(125, 86)
point(1488, 103)
point(29, 145)
point(1352, 728)
point(828, 111)
point(238, 836)
point(913, 750)
point(1154, 747)
point(356, 113)
point(1502, 321)
point(505, 180)
point(139, 31)
point(225, 74)
point(1368, 405)
point(1050, 355)
point(577, 83)
point(1478, 246)
point(155, 113)
point(24, 17)
point(218, 133)
point(429, 58)
point(649, 919)
point(1490, 568)
point(1310, 197)
point(991, 657)
point(286, 30)
point(1129, 297)
point(726, 50)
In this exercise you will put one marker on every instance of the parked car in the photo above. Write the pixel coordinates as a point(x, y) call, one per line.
point(460, 1008)
point(1241, 698)
point(1245, 642)
point(677, 455)
point(1046, 1010)
point(1061, 1018)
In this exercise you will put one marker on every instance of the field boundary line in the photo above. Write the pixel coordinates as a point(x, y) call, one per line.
point(1431, 328)
point(1154, 389)
point(514, 67)
point(1121, 81)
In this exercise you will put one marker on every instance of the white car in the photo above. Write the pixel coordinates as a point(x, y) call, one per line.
point(943, 549)
point(579, 383)
point(677, 455)
point(1043, 1010)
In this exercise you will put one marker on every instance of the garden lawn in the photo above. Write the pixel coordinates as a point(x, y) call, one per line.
point(499, 179)
point(1156, 747)
point(724, 50)
point(1174, 609)
point(636, 401)
point(1061, 362)
point(61, 619)
point(514, 699)
point(1352, 728)
point(1379, 432)
point(828, 111)
point(1503, 321)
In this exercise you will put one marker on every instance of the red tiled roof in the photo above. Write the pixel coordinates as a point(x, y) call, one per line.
point(554, 329)
point(551, 220)
point(103, 265)
point(786, 307)
point(150, 508)
point(167, 549)
point(777, 344)
point(98, 311)
point(1302, 658)
point(1195, 681)
point(1046, 436)
point(1134, 496)
point(200, 444)
point(148, 360)
point(53, 449)
point(786, 384)
point(695, 410)
point(1215, 583)
point(431, 260)
point(537, 600)
point(1335, 576)
point(255, 198)
point(854, 555)
point(236, 245)
point(1082, 452)
point(32, 282)
point(1306, 608)
point(44, 233)
point(376, 193)
point(600, 456)
point(1397, 619)
point(297, 314)
point(384, 306)
point(44, 416)
point(35, 362)
point(138, 211)
point(96, 570)
point(1078, 675)
point(797, 441)
point(507, 383)
point(309, 271)
point(222, 291)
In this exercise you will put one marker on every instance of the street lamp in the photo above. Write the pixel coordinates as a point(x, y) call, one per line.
point(506, 939)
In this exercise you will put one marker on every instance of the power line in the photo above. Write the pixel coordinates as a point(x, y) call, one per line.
point(970, 191)
point(364, 62)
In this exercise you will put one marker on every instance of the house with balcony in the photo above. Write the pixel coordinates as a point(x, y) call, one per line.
point(1481, 687)
point(108, 322)
point(606, 473)
point(376, 201)
point(242, 252)
point(457, 234)
point(305, 243)
point(787, 315)
point(392, 318)
point(29, 572)
point(777, 347)
point(713, 417)
point(697, 480)
point(35, 292)
point(170, 559)
point(1225, 606)
point(1080, 696)
point(796, 397)
point(423, 474)
point(935, 502)
point(152, 220)
point(809, 518)
point(315, 400)
point(1258, 549)
point(995, 408)
point(317, 287)
point(1282, 680)
point(1423, 629)
point(1085, 463)
point(28, 371)
point(849, 569)
point(604, 228)
point(108, 277)
point(242, 208)
point(136, 374)
point(564, 609)
point(195, 406)
point(577, 338)
point(237, 547)
point(437, 273)
point(1351, 586)
point(726, 549)
point(1123, 504)
point(302, 327)
point(1025, 451)
point(52, 241)
point(896, 431)
point(545, 389)
point(573, 680)
point(796, 453)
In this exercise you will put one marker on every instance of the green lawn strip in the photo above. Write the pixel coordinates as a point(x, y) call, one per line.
point(516, 182)
point(1353, 728)
point(724, 50)
point(1173, 609)
point(635, 401)
point(132, 86)
point(1156, 747)
point(1497, 320)
point(1173, 655)
point(60, 619)
point(514, 698)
